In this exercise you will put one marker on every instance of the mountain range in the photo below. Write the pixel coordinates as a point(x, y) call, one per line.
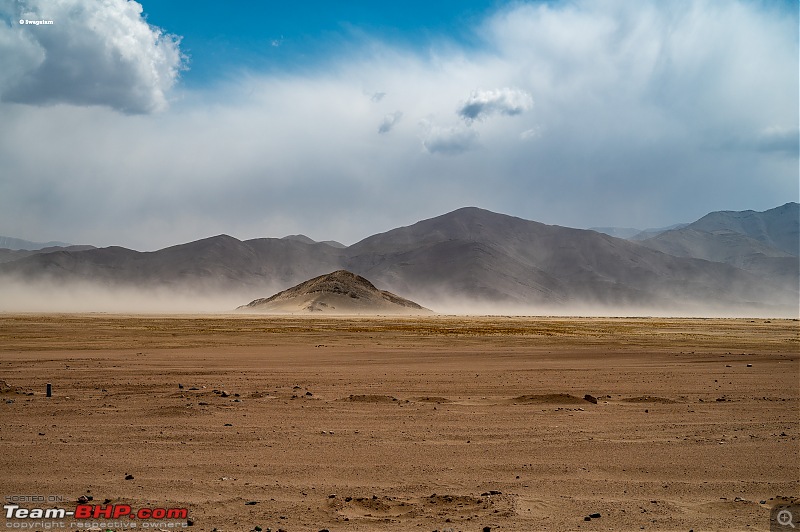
point(727, 261)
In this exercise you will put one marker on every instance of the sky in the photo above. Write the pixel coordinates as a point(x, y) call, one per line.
point(153, 123)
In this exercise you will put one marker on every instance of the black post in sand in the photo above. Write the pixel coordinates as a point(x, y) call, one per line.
point(49, 390)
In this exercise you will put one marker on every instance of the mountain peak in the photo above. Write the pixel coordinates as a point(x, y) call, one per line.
point(338, 292)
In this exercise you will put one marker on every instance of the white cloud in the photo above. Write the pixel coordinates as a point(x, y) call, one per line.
point(94, 53)
point(482, 104)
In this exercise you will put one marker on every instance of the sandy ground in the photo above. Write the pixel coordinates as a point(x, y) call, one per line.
point(437, 423)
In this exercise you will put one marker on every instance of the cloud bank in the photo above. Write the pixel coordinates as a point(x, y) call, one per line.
point(93, 53)
point(646, 114)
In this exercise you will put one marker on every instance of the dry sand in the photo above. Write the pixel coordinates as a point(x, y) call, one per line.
point(406, 423)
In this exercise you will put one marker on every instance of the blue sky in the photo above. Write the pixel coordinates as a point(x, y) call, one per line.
point(290, 35)
point(155, 123)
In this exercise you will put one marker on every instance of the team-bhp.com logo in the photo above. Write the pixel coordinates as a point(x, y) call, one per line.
point(88, 515)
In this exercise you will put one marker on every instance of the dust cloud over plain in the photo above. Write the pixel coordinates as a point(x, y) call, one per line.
point(76, 296)
point(83, 296)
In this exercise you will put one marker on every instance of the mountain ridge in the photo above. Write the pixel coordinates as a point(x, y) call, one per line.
point(469, 255)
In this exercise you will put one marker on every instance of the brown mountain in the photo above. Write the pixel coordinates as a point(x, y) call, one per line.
point(763, 243)
point(463, 259)
point(339, 292)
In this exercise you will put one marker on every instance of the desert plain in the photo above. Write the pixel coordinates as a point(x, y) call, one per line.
point(445, 423)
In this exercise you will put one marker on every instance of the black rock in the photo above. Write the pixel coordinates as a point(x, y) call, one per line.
point(590, 398)
point(594, 516)
point(587, 518)
point(129, 477)
point(251, 503)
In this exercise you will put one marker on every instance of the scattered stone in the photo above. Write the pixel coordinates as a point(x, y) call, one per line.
point(257, 528)
point(587, 518)
point(128, 477)
point(487, 529)
point(201, 403)
point(189, 522)
point(348, 499)
point(106, 501)
point(180, 386)
point(332, 496)
point(749, 365)
point(195, 388)
point(594, 515)
point(738, 499)
point(309, 394)
point(224, 394)
point(762, 502)
point(591, 398)
point(228, 424)
point(251, 503)
point(83, 499)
